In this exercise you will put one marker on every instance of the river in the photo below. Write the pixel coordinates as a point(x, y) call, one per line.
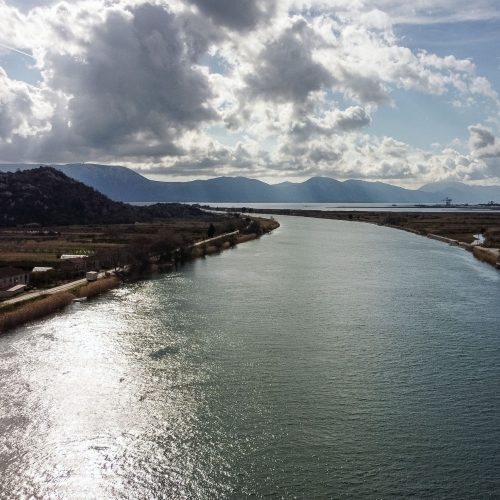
point(327, 360)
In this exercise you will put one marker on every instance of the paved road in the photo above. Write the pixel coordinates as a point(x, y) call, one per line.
point(83, 281)
point(215, 238)
point(48, 291)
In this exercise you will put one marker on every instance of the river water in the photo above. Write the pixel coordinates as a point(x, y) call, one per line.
point(358, 207)
point(326, 360)
point(345, 207)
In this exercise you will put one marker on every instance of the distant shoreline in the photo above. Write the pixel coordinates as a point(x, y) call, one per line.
point(453, 228)
point(353, 207)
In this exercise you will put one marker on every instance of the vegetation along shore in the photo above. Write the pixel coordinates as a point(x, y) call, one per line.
point(129, 261)
point(61, 240)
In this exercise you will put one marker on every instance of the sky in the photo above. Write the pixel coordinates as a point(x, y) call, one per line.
point(280, 90)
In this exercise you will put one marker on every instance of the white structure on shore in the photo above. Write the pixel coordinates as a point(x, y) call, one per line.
point(12, 281)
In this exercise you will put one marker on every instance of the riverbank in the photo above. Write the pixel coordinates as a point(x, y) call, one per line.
point(44, 303)
point(255, 227)
point(44, 306)
point(456, 229)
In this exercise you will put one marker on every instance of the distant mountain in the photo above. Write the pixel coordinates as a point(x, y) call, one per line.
point(123, 184)
point(463, 193)
point(48, 197)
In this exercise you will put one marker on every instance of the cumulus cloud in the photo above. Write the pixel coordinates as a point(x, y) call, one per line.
point(343, 157)
point(368, 157)
point(291, 87)
point(352, 118)
point(130, 81)
point(480, 137)
point(483, 143)
point(209, 159)
point(331, 122)
point(135, 77)
point(22, 109)
point(241, 15)
point(285, 70)
point(26, 113)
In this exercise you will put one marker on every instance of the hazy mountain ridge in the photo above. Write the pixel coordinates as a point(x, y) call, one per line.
point(464, 193)
point(123, 184)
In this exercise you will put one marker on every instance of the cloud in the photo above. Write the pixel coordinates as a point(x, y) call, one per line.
point(331, 122)
point(483, 143)
point(29, 4)
point(351, 119)
point(23, 110)
point(210, 159)
point(438, 11)
point(214, 87)
point(355, 55)
point(480, 137)
point(136, 76)
point(342, 156)
point(131, 84)
point(368, 157)
point(285, 70)
point(240, 15)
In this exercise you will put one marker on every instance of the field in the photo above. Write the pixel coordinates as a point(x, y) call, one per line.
point(137, 248)
point(43, 246)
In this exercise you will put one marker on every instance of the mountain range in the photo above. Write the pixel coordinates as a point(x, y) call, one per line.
point(123, 184)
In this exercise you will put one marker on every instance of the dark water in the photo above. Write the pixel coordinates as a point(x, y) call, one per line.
point(327, 360)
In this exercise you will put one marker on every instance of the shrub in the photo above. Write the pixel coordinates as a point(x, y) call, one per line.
point(97, 287)
point(253, 228)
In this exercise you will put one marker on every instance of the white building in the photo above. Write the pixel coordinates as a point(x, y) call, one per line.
point(12, 281)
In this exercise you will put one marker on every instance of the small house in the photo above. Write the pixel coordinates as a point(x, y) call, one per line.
point(73, 266)
point(10, 276)
point(12, 281)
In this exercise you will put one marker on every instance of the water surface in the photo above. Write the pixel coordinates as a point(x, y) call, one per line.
point(327, 360)
point(343, 207)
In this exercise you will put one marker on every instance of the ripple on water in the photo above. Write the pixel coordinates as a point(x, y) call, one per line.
point(329, 359)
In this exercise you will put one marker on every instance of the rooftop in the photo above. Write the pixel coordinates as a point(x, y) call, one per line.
point(41, 269)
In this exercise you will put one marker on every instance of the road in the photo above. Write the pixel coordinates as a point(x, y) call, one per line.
point(48, 291)
point(68, 286)
point(215, 238)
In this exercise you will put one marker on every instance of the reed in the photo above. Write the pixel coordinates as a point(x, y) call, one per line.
point(97, 287)
point(489, 255)
point(35, 310)
point(243, 238)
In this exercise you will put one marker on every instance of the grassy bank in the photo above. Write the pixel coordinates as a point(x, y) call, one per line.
point(488, 255)
point(254, 228)
point(97, 287)
point(41, 307)
point(35, 310)
point(45, 306)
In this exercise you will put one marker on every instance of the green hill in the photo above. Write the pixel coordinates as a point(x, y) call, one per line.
point(48, 197)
